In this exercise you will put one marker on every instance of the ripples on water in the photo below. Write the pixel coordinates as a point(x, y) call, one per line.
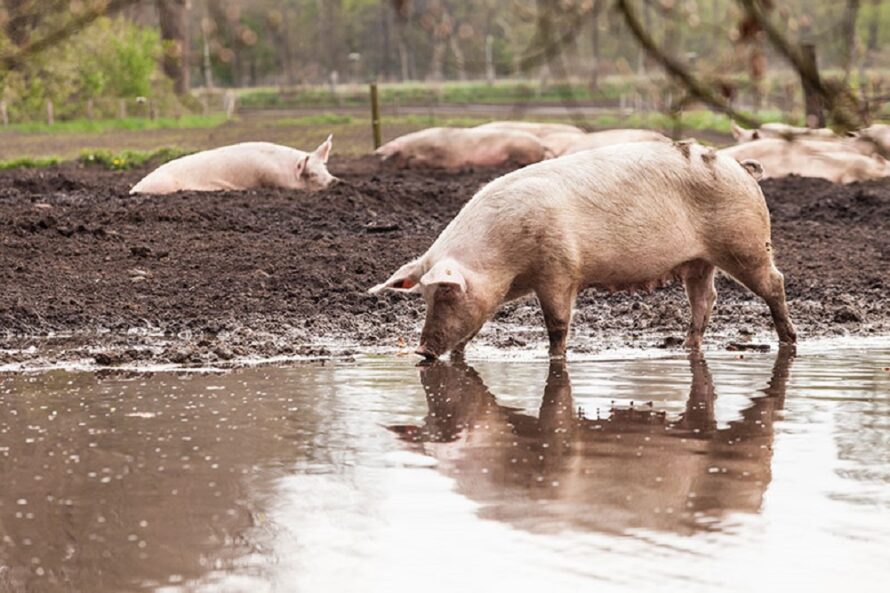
point(700, 474)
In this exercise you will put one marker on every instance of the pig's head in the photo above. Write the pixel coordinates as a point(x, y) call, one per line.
point(456, 307)
point(312, 171)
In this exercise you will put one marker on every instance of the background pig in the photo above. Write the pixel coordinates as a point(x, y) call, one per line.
point(453, 148)
point(874, 139)
point(242, 166)
point(838, 162)
point(779, 130)
point(560, 144)
point(623, 217)
point(541, 130)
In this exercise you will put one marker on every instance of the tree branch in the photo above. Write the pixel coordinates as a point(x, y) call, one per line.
point(14, 60)
point(695, 88)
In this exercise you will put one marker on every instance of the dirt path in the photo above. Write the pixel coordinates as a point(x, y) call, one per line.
point(205, 277)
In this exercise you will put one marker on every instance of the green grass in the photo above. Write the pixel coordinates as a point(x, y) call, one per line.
point(29, 163)
point(128, 124)
point(128, 159)
point(321, 119)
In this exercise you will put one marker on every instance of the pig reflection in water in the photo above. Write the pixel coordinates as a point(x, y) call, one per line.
point(635, 469)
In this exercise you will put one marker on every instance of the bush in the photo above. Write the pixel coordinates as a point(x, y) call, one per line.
point(129, 159)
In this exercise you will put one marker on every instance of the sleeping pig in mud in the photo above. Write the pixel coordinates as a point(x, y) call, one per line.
point(242, 166)
point(454, 148)
point(626, 217)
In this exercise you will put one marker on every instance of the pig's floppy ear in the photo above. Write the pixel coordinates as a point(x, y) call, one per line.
point(301, 166)
point(446, 272)
point(407, 279)
point(324, 149)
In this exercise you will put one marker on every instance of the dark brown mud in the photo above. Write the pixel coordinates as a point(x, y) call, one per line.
point(198, 278)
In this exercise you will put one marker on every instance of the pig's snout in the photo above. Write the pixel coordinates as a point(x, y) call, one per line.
point(426, 352)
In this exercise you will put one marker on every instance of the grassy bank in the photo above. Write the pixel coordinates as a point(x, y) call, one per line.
point(132, 124)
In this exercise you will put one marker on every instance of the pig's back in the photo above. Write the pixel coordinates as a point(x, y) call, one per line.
point(239, 166)
point(629, 211)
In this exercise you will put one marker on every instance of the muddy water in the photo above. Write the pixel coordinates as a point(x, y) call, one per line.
point(703, 474)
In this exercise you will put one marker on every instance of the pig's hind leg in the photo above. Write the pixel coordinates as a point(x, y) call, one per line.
point(763, 279)
point(698, 278)
point(557, 300)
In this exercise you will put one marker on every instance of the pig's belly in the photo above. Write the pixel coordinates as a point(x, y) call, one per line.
point(633, 273)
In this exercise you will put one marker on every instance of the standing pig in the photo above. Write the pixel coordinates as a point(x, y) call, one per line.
point(534, 128)
point(242, 166)
point(560, 144)
point(625, 217)
point(453, 148)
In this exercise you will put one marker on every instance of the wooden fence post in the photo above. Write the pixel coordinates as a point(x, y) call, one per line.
point(375, 116)
point(123, 109)
point(4, 114)
point(50, 112)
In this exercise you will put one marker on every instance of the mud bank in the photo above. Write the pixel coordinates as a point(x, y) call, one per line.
point(88, 271)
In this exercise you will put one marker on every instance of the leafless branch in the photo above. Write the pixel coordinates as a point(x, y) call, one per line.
point(696, 89)
point(14, 60)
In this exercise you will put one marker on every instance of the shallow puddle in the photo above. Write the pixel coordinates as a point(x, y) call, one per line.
point(707, 474)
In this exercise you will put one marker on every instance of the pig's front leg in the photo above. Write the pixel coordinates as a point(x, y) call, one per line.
point(557, 300)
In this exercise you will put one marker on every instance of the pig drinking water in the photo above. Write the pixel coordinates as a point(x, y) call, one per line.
point(453, 148)
point(242, 166)
point(630, 216)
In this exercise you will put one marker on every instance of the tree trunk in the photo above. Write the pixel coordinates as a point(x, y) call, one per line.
point(459, 60)
point(386, 50)
point(595, 47)
point(437, 61)
point(812, 98)
point(849, 28)
point(174, 22)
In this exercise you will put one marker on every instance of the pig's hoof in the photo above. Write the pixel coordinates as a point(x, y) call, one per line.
point(426, 354)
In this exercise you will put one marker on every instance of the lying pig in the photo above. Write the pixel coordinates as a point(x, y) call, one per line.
point(835, 161)
point(536, 129)
point(779, 130)
point(560, 144)
point(873, 140)
point(622, 217)
point(242, 166)
point(453, 148)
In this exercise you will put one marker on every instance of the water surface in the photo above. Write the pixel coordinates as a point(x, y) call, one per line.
point(669, 473)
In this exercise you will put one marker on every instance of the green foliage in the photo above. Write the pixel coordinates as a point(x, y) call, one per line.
point(112, 58)
point(129, 159)
point(320, 119)
point(29, 163)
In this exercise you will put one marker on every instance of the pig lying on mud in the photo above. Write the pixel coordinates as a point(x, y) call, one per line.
point(453, 148)
point(561, 144)
point(242, 166)
point(779, 130)
point(625, 217)
point(541, 130)
point(837, 162)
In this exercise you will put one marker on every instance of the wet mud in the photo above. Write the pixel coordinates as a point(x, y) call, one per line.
point(88, 271)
